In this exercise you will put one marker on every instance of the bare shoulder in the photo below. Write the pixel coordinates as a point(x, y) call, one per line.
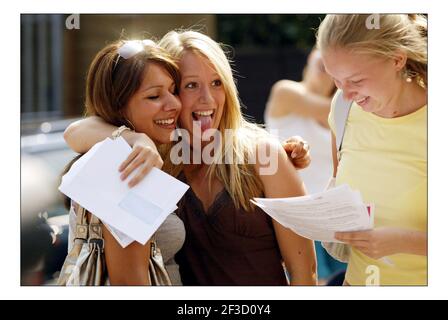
point(269, 144)
point(287, 86)
point(270, 155)
point(284, 96)
point(276, 172)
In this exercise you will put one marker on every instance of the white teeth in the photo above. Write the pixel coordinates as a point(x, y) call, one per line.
point(165, 121)
point(361, 100)
point(203, 113)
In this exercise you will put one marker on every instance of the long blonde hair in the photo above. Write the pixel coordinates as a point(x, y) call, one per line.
point(239, 178)
point(405, 32)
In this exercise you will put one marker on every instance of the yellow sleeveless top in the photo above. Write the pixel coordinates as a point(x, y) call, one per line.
point(386, 160)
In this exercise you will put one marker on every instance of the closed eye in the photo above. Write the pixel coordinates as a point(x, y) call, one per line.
point(357, 81)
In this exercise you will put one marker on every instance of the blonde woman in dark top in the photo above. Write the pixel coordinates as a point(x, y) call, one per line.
point(228, 241)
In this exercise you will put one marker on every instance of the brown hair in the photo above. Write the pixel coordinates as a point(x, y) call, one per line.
point(113, 80)
point(66, 169)
point(406, 32)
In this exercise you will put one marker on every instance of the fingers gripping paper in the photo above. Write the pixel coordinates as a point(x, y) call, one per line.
point(130, 214)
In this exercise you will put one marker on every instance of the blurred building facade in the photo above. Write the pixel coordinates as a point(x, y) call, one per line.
point(55, 59)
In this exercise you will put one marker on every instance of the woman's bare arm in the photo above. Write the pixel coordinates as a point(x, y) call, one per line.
point(298, 252)
point(290, 97)
point(334, 153)
point(84, 134)
point(126, 266)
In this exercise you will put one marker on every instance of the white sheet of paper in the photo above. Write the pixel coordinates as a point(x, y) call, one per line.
point(94, 182)
point(319, 216)
point(122, 238)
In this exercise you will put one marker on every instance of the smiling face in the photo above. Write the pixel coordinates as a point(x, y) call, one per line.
point(155, 107)
point(370, 81)
point(201, 92)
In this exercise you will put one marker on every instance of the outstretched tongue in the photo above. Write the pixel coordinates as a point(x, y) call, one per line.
point(206, 122)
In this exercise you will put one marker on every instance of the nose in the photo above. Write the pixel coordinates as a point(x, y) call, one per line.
point(206, 95)
point(347, 90)
point(349, 95)
point(173, 103)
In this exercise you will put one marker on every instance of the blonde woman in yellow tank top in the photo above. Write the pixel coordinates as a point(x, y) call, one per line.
point(380, 63)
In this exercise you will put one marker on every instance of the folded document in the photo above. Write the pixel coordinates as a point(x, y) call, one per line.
point(128, 213)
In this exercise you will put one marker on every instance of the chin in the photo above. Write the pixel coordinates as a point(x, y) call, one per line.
point(368, 108)
point(162, 139)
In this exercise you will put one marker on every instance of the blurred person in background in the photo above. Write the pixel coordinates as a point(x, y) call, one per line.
point(37, 196)
point(301, 109)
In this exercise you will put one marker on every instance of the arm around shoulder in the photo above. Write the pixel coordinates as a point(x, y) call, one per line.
point(83, 134)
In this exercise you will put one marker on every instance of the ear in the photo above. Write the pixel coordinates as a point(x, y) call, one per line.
point(399, 59)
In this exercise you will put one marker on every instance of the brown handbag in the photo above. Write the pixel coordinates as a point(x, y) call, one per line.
point(85, 264)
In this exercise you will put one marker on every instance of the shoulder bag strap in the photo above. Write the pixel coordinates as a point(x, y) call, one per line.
point(341, 112)
point(82, 227)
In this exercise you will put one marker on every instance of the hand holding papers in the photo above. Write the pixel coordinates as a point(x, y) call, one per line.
point(319, 216)
point(130, 214)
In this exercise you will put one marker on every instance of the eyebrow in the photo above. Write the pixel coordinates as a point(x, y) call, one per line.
point(156, 86)
point(196, 76)
point(353, 75)
point(151, 87)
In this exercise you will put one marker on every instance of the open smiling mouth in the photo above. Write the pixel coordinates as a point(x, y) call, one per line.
point(204, 117)
point(362, 102)
point(169, 123)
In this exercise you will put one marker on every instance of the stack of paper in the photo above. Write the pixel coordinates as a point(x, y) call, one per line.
point(319, 216)
point(129, 213)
